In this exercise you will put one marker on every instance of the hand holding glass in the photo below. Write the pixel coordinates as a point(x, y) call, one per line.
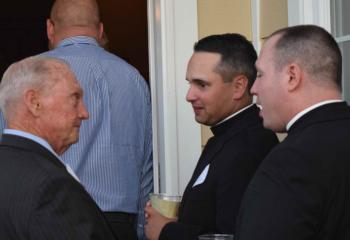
point(167, 205)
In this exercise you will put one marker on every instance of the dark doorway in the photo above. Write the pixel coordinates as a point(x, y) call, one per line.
point(23, 30)
point(126, 27)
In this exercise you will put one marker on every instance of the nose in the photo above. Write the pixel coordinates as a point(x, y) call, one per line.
point(83, 112)
point(190, 96)
point(253, 89)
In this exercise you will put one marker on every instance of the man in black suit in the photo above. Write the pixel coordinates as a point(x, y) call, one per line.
point(40, 197)
point(220, 74)
point(302, 188)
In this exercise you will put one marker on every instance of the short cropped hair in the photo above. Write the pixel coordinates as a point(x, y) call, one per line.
point(37, 72)
point(313, 48)
point(238, 55)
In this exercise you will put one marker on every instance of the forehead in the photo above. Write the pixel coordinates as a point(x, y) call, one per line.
point(204, 60)
point(66, 78)
point(267, 51)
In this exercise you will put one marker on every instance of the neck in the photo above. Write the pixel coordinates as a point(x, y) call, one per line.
point(75, 31)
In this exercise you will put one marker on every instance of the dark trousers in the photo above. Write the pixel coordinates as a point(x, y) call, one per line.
point(122, 224)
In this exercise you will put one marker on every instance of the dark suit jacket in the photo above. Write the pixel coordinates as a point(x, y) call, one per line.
point(39, 199)
point(302, 189)
point(236, 150)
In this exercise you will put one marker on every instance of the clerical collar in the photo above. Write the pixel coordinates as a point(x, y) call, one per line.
point(227, 122)
point(306, 110)
point(234, 114)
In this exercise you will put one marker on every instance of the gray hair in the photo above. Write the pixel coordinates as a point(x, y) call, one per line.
point(38, 72)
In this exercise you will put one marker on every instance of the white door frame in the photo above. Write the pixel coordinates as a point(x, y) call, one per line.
point(173, 30)
point(315, 12)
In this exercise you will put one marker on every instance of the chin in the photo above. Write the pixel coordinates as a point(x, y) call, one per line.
point(74, 139)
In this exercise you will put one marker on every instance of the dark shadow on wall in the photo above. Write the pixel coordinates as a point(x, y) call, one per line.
point(125, 24)
point(23, 30)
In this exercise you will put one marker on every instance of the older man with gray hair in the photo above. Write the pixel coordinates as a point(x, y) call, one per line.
point(40, 196)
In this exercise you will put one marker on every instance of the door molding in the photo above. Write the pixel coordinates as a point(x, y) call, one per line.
point(176, 136)
point(309, 12)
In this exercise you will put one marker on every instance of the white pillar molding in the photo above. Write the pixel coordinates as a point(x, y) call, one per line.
point(255, 9)
point(176, 141)
point(309, 12)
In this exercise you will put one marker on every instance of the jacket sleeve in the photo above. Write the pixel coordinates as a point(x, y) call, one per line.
point(62, 209)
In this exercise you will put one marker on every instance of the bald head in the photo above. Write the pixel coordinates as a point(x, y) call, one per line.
point(70, 18)
point(75, 13)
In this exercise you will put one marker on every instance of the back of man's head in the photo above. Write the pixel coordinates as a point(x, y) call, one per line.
point(75, 13)
point(314, 49)
point(238, 55)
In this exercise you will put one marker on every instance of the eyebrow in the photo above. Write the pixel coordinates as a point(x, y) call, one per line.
point(197, 80)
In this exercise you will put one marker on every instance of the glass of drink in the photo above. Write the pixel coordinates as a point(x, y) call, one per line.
point(167, 205)
point(216, 237)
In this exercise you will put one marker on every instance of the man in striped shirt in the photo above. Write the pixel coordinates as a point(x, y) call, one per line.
point(113, 158)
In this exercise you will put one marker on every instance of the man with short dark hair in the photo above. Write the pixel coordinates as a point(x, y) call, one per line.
point(40, 196)
point(302, 188)
point(220, 73)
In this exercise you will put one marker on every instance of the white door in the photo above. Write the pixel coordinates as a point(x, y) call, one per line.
point(340, 29)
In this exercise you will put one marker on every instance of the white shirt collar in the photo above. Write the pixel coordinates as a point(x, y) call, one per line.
point(234, 114)
point(306, 110)
point(43, 143)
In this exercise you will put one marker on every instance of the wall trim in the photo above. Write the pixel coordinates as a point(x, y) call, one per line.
point(177, 138)
point(309, 12)
point(255, 9)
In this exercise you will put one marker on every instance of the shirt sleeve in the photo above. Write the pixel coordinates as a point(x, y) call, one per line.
point(64, 210)
point(146, 175)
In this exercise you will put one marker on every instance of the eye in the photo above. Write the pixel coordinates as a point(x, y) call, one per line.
point(258, 75)
point(200, 83)
point(75, 98)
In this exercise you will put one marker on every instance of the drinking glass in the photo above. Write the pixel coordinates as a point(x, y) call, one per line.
point(216, 237)
point(167, 205)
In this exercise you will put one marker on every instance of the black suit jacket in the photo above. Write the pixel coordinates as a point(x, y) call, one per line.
point(39, 199)
point(233, 154)
point(302, 189)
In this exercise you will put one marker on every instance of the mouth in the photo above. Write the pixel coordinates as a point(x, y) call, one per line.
point(197, 109)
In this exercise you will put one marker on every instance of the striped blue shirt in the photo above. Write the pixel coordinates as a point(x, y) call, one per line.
point(113, 158)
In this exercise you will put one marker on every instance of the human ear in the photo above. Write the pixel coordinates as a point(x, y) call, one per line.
point(50, 29)
point(32, 101)
point(100, 32)
point(294, 74)
point(240, 84)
